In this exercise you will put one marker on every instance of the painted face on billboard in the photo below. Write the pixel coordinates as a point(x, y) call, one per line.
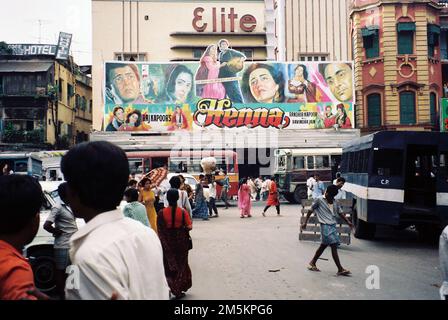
point(262, 85)
point(126, 83)
point(299, 72)
point(183, 86)
point(223, 45)
point(133, 118)
point(339, 79)
point(119, 114)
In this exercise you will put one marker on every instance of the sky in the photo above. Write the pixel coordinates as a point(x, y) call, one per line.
point(40, 21)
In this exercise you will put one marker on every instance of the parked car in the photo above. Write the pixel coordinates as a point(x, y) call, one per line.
point(40, 251)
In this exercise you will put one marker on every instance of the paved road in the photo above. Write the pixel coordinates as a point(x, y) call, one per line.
point(232, 259)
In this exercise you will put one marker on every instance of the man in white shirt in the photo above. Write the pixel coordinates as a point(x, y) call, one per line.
point(212, 198)
point(310, 184)
point(339, 182)
point(183, 201)
point(111, 255)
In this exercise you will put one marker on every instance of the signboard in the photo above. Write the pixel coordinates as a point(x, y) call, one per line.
point(444, 115)
point(228, 94)
point(65, 40)
point(33, 49)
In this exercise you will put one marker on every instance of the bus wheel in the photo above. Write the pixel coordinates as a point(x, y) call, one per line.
point(290, 198)
point(299, 194)
point(363, 230)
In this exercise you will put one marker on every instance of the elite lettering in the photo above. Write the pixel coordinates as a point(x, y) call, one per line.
point(247, 23)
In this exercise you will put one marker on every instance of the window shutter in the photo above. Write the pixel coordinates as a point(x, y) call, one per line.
point(407, 107)
point(374, 110)
point(432, 107)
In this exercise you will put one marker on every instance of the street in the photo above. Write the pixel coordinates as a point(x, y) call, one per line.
point(261, 258)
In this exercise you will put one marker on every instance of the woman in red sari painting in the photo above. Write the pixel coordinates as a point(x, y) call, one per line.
point(272, 198)
point(341, 118)
point(173, 224)
point(178, 120)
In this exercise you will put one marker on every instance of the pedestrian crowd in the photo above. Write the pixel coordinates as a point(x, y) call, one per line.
point(139, 251)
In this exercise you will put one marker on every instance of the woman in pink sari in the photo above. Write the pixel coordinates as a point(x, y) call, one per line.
point(209, 60)
point(244, 203)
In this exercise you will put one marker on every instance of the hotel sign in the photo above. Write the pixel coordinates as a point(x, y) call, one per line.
point(33, 49)
point(202, 19)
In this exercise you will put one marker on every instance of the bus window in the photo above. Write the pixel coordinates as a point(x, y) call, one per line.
point(310, 162)
point(443, 169)
point(159, 162)
point(178, 165)
point(299, 162)
point(195, 165)
point(21, 166)
point(388, 162)
point(135, 166)
point(231, 165)
point(147, 165)
point(365, 162)
point(322, 162)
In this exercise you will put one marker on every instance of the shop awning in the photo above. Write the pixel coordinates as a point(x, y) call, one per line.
point(406, 26)
point(24, 66)
point(369, 31)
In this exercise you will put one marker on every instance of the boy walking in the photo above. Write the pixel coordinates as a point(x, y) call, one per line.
point(326, 210)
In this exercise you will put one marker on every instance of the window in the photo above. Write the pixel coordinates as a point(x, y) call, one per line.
point(90, 106)
point(433, 108)
point(83, 103)
point(443, 170)
point(249, 53)
point(406, 32)
point(312, 56)
point(371, 41)
point(135, 166)
point(126, 56)
point(407, 107)
point(1, 85)
point(387, 162)
point(77, 101)
point(322, 162)
point(374, 110)
point(299, 162)
point(178, 165)
point(433, 38)
point(197, 53)
point(60, 88)
point(310, 162)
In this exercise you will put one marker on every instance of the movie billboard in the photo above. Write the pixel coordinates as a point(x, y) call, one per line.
point(225, 91)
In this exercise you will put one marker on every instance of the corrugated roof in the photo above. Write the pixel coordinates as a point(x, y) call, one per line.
point(24, 66)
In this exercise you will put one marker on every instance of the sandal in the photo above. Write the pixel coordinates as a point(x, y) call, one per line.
point(313, 268)
point(344, 273)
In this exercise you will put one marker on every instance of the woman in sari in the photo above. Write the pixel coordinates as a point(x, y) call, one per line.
point(201, 208)
point(174, 224)
point(272, 198)
point(244, 203)
point(148, 198)
point(209, 60)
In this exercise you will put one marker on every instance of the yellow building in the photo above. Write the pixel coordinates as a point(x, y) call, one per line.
point(397, 55)
point(38, 101)
point(73, 107)
point(163, 31)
